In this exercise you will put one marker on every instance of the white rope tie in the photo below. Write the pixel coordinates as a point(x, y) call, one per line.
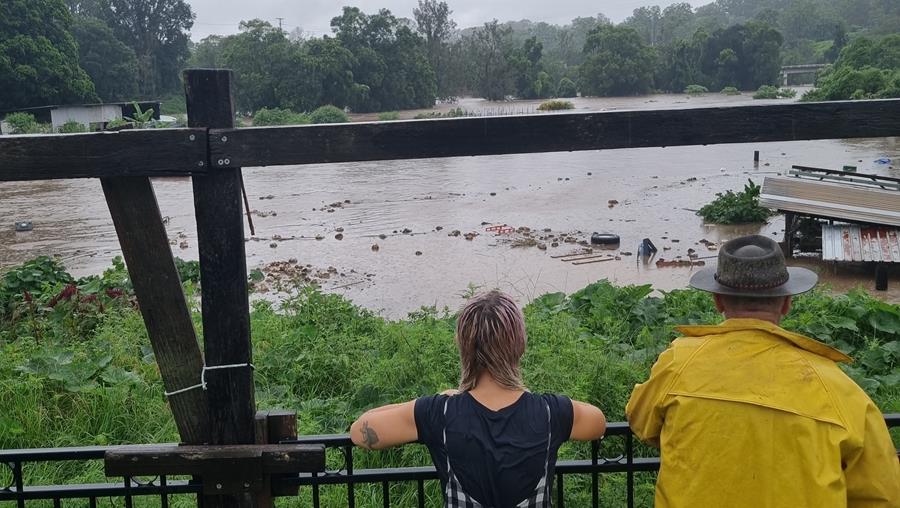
point(202, 383)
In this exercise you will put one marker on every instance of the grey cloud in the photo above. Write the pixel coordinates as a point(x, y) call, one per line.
point(313, 16)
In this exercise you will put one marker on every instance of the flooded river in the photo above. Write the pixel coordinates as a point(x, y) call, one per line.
point(410, 209)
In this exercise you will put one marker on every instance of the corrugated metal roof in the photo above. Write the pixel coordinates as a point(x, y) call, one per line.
point(832, 200)
point(855, 243)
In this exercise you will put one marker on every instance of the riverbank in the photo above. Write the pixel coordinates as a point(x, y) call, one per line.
point(79, 373)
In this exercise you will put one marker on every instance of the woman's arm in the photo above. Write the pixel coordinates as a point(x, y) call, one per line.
point(385, 426)
point(588, 422)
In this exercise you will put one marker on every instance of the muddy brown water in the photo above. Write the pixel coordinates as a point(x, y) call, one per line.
point(657, 189)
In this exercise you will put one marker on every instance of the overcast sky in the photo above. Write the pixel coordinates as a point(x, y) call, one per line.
point(313, 16)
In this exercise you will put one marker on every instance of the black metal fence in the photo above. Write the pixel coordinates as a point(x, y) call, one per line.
point(162, 488)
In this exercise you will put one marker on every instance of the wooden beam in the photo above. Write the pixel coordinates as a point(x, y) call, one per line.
point(270, 146)
point(152, 152)
point(145, 246)
point(223, 276)
point(204, 460)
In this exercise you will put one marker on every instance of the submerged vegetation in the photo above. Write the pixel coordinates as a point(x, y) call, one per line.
point(556, 105)
point(76, 367)
point(736, 207)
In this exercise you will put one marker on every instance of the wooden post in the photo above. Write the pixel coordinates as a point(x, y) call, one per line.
point(881, 276)
point(788, 245)
point(282, 425)
point(145, 245)
point(223, 277)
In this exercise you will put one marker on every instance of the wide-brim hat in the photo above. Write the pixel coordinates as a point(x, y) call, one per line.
point(754, 266)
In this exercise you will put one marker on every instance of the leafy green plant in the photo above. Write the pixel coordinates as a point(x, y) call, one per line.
point(696, 90)
point(566, 89)
point(72, 127)
point(787, 93)
point(117, 124)
point(328, 114)
point(23, 123)
point(388, 116)
point(556, 105)
point(188, 271)
point(736, 207)
point(141, 119)
point(730, 90)
point(277, 116)
point(766, 92)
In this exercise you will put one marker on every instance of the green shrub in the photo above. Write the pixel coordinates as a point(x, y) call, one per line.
point(787, 93)
point(328, 114)
point(556, 105)
point(388, 116)
point(730, 90)
point(117, 124)
point(277, 116)
point(566, 89)
point(766, 92)
point(23, 123)
point(696, 90)
point(736, 208)
point(72, 127)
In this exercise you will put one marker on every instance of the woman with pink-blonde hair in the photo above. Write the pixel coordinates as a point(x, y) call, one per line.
point(493, 442)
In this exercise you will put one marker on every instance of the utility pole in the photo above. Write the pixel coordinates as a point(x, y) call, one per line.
point(279, 24)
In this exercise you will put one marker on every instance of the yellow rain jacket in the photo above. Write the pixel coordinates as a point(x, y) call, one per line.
point(750, 415)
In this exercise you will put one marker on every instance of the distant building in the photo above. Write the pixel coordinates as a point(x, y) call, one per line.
point(93, 116)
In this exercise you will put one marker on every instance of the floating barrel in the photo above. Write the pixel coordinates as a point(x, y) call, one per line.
point(607, 239)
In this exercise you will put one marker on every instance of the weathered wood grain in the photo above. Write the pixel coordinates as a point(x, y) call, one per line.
point(145, 246)
point(153, 152)
point(223, 270)
point(198, 460)
point(223, 277)
point(419, 139)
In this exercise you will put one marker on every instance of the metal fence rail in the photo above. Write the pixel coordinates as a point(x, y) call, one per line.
point(128, 489)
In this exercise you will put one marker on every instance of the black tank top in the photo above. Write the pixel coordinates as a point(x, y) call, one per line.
point(498, 457)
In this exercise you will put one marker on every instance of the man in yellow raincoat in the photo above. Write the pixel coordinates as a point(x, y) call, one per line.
point(747, 414)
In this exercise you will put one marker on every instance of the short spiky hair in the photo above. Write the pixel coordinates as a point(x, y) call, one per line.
point(490, 334)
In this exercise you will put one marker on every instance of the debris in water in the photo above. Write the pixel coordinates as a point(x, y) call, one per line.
point(183, 245)
point(470, 236)
point(455, 232)
point(340, 230)
point(493, 194)
point(382, 236)
point(612, 202)
point(542, 246)
point(339, 236)
point(273, 245)
point(418, 253)
point(375, 248)
point(439, 228)
point(406, 231)
point(320, 237)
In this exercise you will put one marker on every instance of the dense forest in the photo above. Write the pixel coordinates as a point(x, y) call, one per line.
point(59, 51)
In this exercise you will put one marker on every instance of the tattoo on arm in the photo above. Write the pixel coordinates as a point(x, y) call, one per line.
point(370, 438)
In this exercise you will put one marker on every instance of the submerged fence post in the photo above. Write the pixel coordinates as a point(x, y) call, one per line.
point(223, 277)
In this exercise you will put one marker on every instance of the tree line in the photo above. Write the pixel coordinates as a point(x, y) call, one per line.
point(59, 51)
point(70, 51)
